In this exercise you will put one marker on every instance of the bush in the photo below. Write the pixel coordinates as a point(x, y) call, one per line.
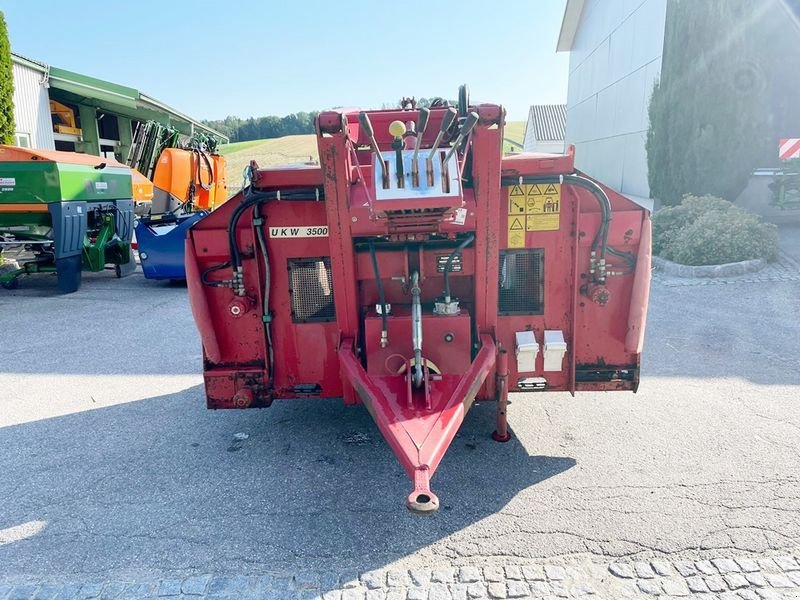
point(706, 230)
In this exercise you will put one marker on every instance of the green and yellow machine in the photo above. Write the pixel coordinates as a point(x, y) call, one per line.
point(71, 212)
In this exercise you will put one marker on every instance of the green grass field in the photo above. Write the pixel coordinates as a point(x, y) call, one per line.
point(303, 148)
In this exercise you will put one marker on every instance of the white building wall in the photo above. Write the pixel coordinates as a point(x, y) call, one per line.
point(614, 63)
point(32, 107)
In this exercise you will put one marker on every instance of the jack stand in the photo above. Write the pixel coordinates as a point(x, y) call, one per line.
point(501, 434)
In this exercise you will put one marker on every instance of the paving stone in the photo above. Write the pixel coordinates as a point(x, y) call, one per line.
point(778, 580)
point(748, 565)
point(715, 583)
point(398, 578)
point(735, 581)
point(416, 593)
point(662, 567)
point(349, 579)
point(376, 594)
point(533, 572)
point(559, 589)
point(477, 590)
point(705, 567)
point(767, 594)
point(725, 565)
point(47, 592)
point(795, 577)
point(583, 589)
point(554, 572)
point(67, 592)
point(303, 595)
point(398, 593)
point(22, 592)
point(756, 579)
point(4, 589)
point(540, 589)
point(513, 572)
point(469, 574)
point(458, 591)
point(696, 584)
point(359, 593)
point(497, 590)
point(420, 577)
point(748, 595)
point(767, 564)
point(137, 590)
point(787, 563)
point(228, 586)
point(644, 570)
point(686, 568)
point(90, 590)
point(493, 574)
point(518, 589)
point(169, 587)
point(306, 580)
point(623, 570)
point(335, 595)
point(439, 591)
point(649, 587)
point(673, 586)
point(195, 586)
point(112, 589)
point(373, 580)
point(443, 575)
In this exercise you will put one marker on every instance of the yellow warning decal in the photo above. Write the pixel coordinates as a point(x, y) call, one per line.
point(516, 231)
point(543, 207)
point(532, 207)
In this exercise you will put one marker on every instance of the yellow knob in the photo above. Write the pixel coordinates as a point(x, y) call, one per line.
point(397, 129)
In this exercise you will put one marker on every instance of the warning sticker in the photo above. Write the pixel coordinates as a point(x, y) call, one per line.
point(532, 207)
point(516, 200)
point(516, 232)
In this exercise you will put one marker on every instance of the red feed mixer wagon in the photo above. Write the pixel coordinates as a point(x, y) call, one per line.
point(416, 270)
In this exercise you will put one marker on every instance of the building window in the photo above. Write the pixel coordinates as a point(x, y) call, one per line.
point(23, 140)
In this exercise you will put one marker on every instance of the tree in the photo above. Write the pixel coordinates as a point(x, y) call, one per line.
point(710, 114)
point(7, 128)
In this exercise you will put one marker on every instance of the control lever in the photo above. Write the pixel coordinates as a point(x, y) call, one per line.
point(397, 130)
point(422, 123)
point(447, 121)
point(469, 124)
point(366, 125)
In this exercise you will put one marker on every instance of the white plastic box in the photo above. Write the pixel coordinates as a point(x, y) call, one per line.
point(554, 350)
point(527, 350)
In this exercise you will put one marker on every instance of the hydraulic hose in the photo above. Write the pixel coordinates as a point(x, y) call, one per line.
point(381, 295)
point(265, 317)
point(449, 264)
point(601, 237)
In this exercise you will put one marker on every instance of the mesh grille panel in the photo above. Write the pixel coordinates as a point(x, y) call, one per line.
point(521, 282)
point(311, 289)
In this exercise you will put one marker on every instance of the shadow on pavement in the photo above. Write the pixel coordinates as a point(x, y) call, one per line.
point(162, 486)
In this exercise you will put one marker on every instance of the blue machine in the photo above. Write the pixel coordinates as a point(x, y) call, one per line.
point(161, 244)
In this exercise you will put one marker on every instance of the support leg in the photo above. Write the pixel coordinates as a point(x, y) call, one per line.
point(501, 434)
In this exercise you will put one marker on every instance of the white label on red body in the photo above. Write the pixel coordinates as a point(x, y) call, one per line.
point(298, 232)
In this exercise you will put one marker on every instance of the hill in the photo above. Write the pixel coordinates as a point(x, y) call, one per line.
point(302, 148)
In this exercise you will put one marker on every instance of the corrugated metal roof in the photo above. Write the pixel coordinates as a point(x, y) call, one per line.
point(549, 121)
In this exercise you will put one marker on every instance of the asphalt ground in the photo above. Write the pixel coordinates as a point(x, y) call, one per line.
point(112, 468)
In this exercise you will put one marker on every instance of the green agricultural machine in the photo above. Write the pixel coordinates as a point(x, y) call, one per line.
point(70, 212)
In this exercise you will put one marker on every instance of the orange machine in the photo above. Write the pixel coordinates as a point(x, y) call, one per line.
point(192, 177)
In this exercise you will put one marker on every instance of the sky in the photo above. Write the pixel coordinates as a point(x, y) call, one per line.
point(213, 59)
